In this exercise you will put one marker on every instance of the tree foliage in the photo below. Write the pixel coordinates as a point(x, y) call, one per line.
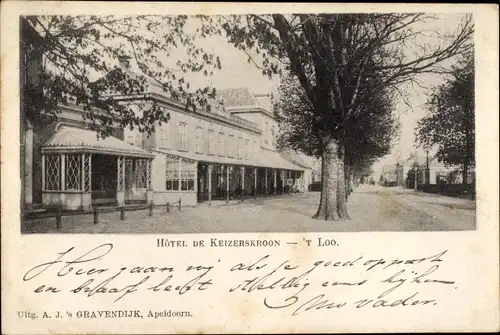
point(369, 136)
point(71, 50)
point(450, 123)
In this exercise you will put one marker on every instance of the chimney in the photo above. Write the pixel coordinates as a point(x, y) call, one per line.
point(124, 62)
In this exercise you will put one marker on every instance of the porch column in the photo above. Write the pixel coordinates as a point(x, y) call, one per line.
point(265, 181)
point(294, 176)
point(242, 170)
point(274, 181)
point(148, 174)
point(209, 184)
point(149, 183)
point(89, 164)
point(179, 174)
point(63, 172)
point(282, 181)
point(28, 171)
point(255, 182)
point(134, 173)
point(288, 176)
point(301, 177)
point(43, 172)
point(85, 181)
point(120, 189)
point(227, 183)
point(202, 182)
point(82, 173)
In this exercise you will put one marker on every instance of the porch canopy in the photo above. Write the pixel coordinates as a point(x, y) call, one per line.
point(67, 166)
point(75, 140)
point(265, 159)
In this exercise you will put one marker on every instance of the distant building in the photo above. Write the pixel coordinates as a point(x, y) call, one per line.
point(389, 175)
point(429, 171)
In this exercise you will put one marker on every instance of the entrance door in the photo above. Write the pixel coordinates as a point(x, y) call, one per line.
point(104, 173)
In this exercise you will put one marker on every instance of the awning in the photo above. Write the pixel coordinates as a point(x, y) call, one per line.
point(266, 159)
point(76, 140)
point(274, 159)
point(296, 159)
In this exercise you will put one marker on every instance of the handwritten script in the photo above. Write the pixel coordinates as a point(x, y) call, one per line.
point(281, 284)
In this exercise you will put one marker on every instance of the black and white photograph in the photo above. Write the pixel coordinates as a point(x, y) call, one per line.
point(328, 122)
point(233, 168)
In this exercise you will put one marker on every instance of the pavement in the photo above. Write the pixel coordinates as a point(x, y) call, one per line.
point(371, 208)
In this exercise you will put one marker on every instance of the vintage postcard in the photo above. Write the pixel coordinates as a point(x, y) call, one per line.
point(249, 167)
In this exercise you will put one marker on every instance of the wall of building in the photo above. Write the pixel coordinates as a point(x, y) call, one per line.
point(266, 123)
point(269, 132)
point(169, 136)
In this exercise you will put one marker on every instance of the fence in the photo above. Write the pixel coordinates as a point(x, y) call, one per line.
point(58, 214)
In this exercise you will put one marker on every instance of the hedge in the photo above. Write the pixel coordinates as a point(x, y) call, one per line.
point(454, 190)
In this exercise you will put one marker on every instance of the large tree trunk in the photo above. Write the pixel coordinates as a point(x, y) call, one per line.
point(333, 203)
point(348, 180)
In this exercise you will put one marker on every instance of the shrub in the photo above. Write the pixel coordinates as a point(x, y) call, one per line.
point(315, 187)
point(454, 190)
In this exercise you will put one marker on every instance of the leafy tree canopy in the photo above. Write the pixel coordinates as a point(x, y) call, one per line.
point(450, 122)
point(72, 50)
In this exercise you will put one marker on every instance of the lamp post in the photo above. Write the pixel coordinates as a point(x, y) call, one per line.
point(416, 174)
point(427, 171)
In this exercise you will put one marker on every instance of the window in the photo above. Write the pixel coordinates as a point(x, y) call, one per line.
point(210, 141)
point(238, 148)
point(141, 173)
point(188, 174)
point(247, 148)
point(221, 148)
point(161, 139)
point(266, 135)
point(164, 139)
point(230, 146)
point(184, 181)
point(52, 172)
point(73, 172)
point(172, 174)
point(199, 140)
point(183, 139)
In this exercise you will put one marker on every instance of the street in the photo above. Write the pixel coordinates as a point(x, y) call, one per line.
point(371, 208)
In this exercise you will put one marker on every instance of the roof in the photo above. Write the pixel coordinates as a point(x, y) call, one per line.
point(69, 139)
point(296, 159)
point(237, 97)
point(266, 158)
point(421, 160)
